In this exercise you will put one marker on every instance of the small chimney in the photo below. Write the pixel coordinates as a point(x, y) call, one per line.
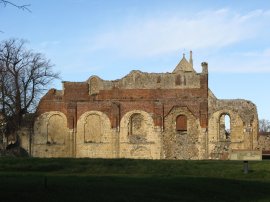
point(204, 67)
point(190, 58)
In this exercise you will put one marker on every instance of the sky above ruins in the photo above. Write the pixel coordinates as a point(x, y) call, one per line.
point(111, 38)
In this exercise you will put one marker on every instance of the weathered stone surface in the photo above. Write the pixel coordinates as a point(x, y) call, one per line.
point(135, 117)
point(244, 126)
point(50, 137)
point(94, 137)
point(264, 142)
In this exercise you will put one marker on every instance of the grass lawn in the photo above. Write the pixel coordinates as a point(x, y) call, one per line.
point(33, 179)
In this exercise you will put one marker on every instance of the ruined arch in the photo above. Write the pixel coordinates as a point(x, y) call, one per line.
point(138, 136)
point(224, 127)
point(56, 125)
point(137, 130)
point(218, 144)
point(236, 125)
point(50, 128)
point(94, 138)
point(93, 127)
point(136, 122)
point(51, 137)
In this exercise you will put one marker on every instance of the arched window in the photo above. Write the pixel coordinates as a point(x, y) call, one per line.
point(225, 127)
point(137, 128)
point(93, 129)
point(56, 129)
point(178, 80)
point(181, 123)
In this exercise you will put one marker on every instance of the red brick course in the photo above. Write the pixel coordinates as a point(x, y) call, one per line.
point(75, 100)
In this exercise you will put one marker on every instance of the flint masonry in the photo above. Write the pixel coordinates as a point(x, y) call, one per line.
point(143, 115)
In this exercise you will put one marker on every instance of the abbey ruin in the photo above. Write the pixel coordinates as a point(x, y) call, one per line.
point(143, 115)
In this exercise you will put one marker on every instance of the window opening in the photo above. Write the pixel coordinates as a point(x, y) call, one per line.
point(225, 127)
point(181, 123)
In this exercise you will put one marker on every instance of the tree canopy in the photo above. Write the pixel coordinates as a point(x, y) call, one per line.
point(24, 75)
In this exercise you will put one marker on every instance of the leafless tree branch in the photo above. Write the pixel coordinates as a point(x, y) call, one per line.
point(264, 125)
point(24, 7)
point(24, 76)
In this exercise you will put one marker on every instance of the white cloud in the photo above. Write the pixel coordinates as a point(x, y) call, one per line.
point(47, 44)
point(266, 53)
point(155, 36)
point(255, 53)
point(248, 62)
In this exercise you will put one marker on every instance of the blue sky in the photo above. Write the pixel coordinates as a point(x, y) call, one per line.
point(109, 38)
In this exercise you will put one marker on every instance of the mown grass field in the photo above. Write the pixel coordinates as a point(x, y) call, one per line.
point(33, 179)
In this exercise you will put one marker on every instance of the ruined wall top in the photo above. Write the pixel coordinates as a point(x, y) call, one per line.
point(182, 77)
point(142, 80)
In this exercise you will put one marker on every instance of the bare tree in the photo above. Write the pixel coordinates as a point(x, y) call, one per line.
point(22, 7)
point(24, 75)
point(264, 125)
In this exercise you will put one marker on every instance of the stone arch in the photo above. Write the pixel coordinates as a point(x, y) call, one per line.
point(236, 124)
point(218, 144)
point(57, 129)
point(51, 137)
point(139, 120)
point(93, 127)
point(138, 136)
point(50, 128)
point(137, 132)
point(94, 138)
point(224, 134)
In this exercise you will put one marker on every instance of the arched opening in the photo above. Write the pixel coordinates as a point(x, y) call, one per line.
point(178, 80)
point(137, 128)
point(93, 129)
point(181, 123)
point(225, 127)
point(56, 129)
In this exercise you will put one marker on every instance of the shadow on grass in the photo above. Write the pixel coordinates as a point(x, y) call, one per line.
point(121, 188)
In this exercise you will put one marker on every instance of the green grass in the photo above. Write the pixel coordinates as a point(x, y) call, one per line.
point(33, 179)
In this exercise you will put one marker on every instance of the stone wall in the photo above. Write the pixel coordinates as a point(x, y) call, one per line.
point(135, 117)
point(182, 144)
point(95, 138)
point(139, 137)
point(243, 126)
point(141, 80)
point(264, 142)
point(51, 136)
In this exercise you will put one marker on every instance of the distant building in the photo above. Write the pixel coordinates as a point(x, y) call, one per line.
point(143, 115)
